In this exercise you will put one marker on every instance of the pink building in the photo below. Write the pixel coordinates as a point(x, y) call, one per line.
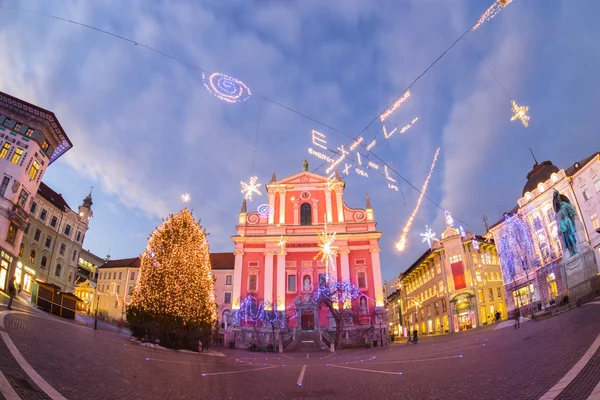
point(275, 251)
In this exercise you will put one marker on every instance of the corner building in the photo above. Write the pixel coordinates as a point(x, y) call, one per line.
point(285, 276)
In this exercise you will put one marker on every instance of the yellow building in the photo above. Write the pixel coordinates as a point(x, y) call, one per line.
point(455, 285)
point(86, 292)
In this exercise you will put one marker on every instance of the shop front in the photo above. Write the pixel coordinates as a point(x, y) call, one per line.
point(464, 313)
point(6, 260)
point(28, 279)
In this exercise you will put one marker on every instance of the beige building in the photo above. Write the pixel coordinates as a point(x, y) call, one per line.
point(86, 291)
point(87, 266)
point(53, 240)
point(116, 280)
point(222, 269)
point(455, 285)
point(31, 139)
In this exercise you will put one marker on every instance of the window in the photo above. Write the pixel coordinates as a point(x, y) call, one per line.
point(584, 192)
point(70, 276)
point(130, 290)
point(5, 149)
point(21, 249)
point(228, 279)
point(11, 234)
point(291, 283)
point(45, 146)
point(16, 157)
point(491, 294)
point(29, 132)
point(53, 221)
point(43, 263)
point(499, 293)
point(428, 311)
point(68, 230)
point(37, 234)
point(5, 182)
point(550, 214)
point(43, 214)
point(252, 283)
point(437, 309)
point(305, 214)
point(455, 258)
point(444, 306)
point(22, 198)
point(362, 280)
point(132, 276)
point(58, 270)
point(120, 275)
point(227, 298)
point(596, 181)
point(48, 241)
point(27, 229)
point(32, 256)
point(480, 295)
point(17, 127)
point(118, 289)
point(78, 237)
point(62, 249)
point(74, 255)
point(595, 223)
point(116, 303)
point(6, 122)
point(33, 207)
point(438, 267)
point(441, 287)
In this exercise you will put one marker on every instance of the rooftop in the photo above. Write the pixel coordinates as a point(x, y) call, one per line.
point(540, 173)
point(122, 263)
point(55, 198)
point(222, 260)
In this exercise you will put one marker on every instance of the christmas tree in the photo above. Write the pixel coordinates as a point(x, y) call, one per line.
point(174, 299)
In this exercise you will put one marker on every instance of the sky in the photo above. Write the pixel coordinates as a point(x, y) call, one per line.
point(145, 130)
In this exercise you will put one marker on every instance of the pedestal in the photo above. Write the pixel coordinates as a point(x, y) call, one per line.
point(579, 269)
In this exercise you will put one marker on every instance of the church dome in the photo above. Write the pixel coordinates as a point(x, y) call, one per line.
point(539, 174)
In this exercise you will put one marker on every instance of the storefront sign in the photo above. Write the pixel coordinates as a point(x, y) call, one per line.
point(30, 270)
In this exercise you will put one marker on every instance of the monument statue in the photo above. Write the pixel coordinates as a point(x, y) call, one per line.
point(305, 166)
point(565, 221)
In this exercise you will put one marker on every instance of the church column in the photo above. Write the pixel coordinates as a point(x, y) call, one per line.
point(376, 266)
point(345, 261)
point(282, 206)
point(315, 211)
point(328, 205)
point(340, 204)
point(281, 281)
point(268, 291)
point(237, 279)
point(272, 205)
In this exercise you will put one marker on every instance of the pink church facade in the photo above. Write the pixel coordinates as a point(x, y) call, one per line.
point(275, 251)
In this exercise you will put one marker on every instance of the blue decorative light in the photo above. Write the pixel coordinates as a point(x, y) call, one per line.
point(265, 210)
point(462, 231)
point(226, 88)
point(517, 248)
point(448, 218)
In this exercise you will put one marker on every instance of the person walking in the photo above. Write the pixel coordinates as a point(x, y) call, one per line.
point(497, 316)
point(517, 318)
point(415, 337)
point(12, 291)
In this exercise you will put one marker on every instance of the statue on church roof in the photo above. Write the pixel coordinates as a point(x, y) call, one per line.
point(565, 220)
point(305, 166)
point(273, 177)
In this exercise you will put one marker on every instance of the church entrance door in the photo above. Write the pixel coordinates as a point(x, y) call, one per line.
point(307, 319)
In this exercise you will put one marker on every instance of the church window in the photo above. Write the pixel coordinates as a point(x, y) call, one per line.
point(291, 280)
point(305, 214)
point(362, 280)
point(252, 283)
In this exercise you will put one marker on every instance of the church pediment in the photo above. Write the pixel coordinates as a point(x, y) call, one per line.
point(301, 178)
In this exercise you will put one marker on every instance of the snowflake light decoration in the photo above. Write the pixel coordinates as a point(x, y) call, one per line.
point(327, 251)
point(520, 112)
point(250, 187)
point(428, 236)
point(475, 244)
point(491, 12)
point(281, 245)
point(186, 197)
point(398, 285)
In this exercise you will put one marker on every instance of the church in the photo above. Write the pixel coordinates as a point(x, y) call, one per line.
point(277, 249)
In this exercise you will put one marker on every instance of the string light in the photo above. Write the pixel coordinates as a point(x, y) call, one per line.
point(281, 245)
point(448, 218)
point(265, 210)
point(403, 130)
point(186, 197)
point(428, 236)
point(520, 112)
point(517, 247)
point(226, 88)
point(401, 244)
point(491, 12)
point(250, 187)
point(462, 231)
point(394, 106)
point(475, 244)
point(175, 273)
point(327, 249)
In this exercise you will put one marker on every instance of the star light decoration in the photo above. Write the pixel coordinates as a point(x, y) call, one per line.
point(281, 245)
point(327, 251)
point(186, 197)
point(428, 236)
point(250, 187)
point(520, 112)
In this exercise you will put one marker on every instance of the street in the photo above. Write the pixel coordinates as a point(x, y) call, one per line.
point(76, 362)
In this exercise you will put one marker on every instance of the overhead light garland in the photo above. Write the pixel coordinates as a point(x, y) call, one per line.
point(491, 12)
point(250, 187)
point(401, 244)
point(226, 88)
point(520, 113)
point(428, 236)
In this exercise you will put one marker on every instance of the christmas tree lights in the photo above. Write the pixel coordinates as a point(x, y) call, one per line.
point(401, 244)
point(491, 12)
point(175, 273)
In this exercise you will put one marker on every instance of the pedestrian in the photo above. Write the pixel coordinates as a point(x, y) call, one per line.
point(517, 318)
point(497, 316)
point(12, 291)
point(415, 338)
point(200, 346)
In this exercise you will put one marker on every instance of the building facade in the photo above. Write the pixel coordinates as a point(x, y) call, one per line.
point(52, 245)
point(276, 252)
point(455, 285)
point(31, 138)
point(116, 281)
point(87, 266)
point(86, 291)
point(539, 273)
point(222, 265)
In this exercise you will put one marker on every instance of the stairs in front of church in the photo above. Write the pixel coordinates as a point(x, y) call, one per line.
point(307, 342)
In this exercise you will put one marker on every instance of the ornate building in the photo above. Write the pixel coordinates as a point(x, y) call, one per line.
point(538, 271)
point(31, 139)
point(222, 271)
point(116, 280)
point(275, 251)
point(455, 285)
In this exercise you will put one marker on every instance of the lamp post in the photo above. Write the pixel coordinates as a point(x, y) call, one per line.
point(96, 311)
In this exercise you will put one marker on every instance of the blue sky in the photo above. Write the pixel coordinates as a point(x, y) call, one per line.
point(145, 130)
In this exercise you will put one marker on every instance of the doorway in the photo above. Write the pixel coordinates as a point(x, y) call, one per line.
point(465, 321)
point(307, 319)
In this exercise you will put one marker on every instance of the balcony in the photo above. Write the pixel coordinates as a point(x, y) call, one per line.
point(18, 216)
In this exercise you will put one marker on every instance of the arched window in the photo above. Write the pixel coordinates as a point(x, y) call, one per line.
point(58, 269)
point(21, 249)
point(305, 214)
point(43, 263)
point(32, 256)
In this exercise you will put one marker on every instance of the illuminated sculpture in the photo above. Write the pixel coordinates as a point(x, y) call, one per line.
point(565, 220)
